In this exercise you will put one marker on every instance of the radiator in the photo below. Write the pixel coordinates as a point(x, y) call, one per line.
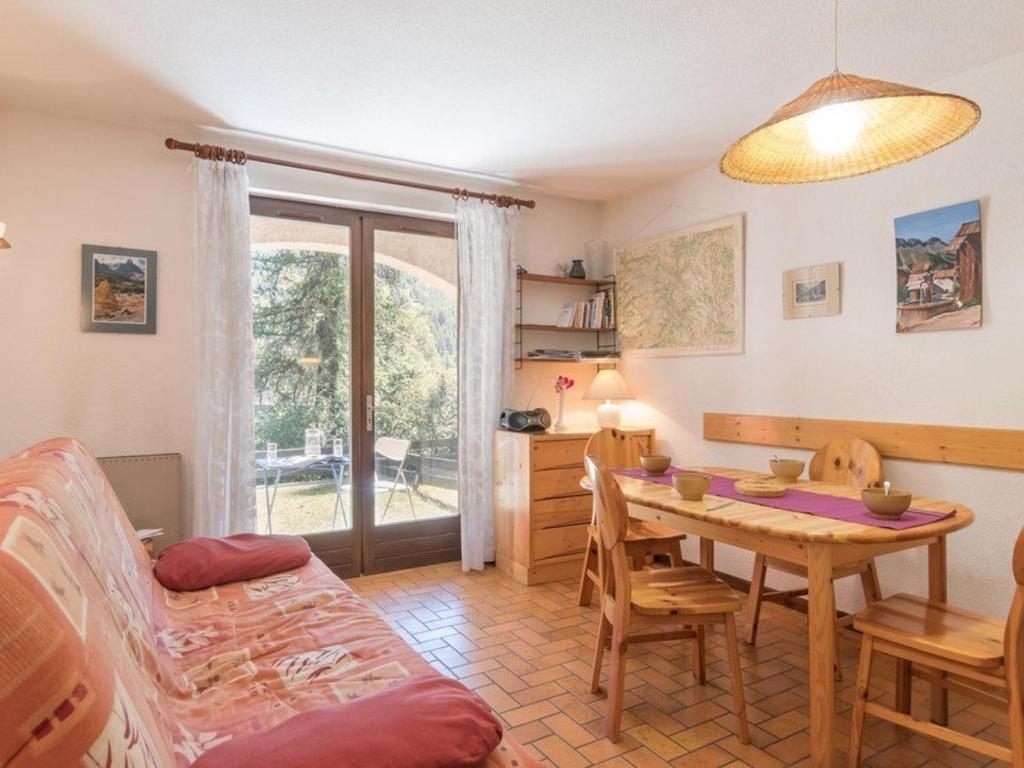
point(149, 488)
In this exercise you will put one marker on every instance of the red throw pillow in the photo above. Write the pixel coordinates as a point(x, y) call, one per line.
point(423, 722)
point(205, 561)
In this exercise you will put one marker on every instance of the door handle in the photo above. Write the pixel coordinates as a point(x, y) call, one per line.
point(369, 413)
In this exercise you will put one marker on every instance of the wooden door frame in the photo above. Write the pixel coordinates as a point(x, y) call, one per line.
point(358, 549)
point(413, 543)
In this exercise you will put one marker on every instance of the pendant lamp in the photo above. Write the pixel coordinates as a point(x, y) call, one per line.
point(846, 125)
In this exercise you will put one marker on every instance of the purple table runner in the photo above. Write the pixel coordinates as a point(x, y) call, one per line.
point(795, 500)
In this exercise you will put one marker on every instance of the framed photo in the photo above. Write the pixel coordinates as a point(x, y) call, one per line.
point(118, 290)
point(811, 291)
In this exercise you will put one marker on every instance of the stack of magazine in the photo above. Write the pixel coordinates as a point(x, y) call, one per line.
point(570, 355)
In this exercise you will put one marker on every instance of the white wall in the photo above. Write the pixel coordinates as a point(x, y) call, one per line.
point(65, 182)
point(854, 365)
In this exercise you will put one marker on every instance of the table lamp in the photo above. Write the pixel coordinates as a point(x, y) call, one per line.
point(608, 385)
point(3, 231)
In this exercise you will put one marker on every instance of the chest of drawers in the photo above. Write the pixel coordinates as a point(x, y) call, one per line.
point(541, 512)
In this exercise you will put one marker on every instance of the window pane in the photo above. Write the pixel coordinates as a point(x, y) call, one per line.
point(303, 364)
point(415, 377)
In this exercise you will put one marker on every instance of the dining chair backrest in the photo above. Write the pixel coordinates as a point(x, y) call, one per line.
point(848, 461)
point(392, 448)
point(614, 448)
point(613, 524)
point(1013, 648)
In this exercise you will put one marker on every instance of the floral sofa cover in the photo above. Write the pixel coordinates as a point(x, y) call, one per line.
point(102, 666)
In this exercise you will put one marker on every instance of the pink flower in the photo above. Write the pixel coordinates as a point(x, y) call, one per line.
point(563, 384)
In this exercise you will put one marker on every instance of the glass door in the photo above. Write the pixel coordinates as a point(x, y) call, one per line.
point(355, 361)
point(410, 323)
point(302, 270)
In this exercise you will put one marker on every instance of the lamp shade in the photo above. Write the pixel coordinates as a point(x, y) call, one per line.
point(608, 385)
point(3, 231)
point(845, 125)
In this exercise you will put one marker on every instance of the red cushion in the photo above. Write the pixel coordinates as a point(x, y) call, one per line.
point(205, 562)
point(423, 722)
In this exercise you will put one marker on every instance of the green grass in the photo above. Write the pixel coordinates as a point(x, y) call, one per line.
point(308, 507)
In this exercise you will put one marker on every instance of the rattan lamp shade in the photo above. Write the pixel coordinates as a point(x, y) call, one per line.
point(898, 123)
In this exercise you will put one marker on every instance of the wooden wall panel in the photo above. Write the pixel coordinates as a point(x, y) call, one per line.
point(973, 446)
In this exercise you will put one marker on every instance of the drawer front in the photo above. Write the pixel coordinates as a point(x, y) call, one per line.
point(551, 513)
point(548, 454)
point(552, 542)
point(552, 483)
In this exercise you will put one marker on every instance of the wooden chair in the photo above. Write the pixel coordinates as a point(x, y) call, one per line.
point(849, 461)
point(972, 649)
point(665, 604)
point(619, 450)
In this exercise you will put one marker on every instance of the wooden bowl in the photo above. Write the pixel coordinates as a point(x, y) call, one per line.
point(656, 463)
point(787, 470)
point(691, 485)
point(889, 507)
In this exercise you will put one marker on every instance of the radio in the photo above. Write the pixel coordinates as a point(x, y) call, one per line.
point(536, 420)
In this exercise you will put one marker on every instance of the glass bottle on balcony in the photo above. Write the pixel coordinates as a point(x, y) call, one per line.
point(314, 441)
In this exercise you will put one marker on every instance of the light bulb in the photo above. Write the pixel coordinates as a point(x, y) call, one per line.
point(834, 129)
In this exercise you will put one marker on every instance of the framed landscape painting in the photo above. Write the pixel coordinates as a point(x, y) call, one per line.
point(938, 269)
point(118, 290)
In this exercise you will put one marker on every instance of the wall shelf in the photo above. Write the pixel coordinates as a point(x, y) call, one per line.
point(530, 277)
point(606, 339)
point(560, 328)
point(583, 360)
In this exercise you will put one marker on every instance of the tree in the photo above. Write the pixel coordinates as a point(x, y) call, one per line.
point(301, 309)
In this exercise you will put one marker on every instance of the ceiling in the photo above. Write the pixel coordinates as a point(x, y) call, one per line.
point(589, 98)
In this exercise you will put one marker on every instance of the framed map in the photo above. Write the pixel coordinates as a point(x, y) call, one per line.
point(682, 293)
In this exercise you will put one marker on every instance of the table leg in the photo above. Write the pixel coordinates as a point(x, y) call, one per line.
point(707, 554)
point(270, 502)
point(821, 617)
point(937, 591)
point(266, 495)
point(338, 500)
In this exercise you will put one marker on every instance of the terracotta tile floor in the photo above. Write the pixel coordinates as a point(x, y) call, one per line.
point(527, 652)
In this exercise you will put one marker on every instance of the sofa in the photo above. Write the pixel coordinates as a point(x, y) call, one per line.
point(102, 666)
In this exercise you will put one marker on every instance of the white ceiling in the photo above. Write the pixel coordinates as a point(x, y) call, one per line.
point(589, 98)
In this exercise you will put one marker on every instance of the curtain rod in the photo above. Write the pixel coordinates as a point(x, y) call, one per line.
point(213, 152)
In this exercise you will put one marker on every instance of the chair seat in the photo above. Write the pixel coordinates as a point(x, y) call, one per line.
point(681, 591)
point(937, 629)
point(641, 529)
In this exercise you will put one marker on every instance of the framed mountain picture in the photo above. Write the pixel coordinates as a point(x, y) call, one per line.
point(118, 290)
point(938, 269)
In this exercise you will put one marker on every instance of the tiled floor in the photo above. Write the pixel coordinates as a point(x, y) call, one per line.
point(527, 652)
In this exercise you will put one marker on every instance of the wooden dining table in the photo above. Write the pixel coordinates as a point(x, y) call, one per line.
point(817, 543)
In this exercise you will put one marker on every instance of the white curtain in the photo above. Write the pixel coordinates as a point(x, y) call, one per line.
point(223, 474)
point(485, 243)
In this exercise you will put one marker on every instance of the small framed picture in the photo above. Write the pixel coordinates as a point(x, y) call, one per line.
point(118, 290)
point(811, 291)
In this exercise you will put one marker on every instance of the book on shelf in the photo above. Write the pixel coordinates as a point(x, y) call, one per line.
point(596, 313)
